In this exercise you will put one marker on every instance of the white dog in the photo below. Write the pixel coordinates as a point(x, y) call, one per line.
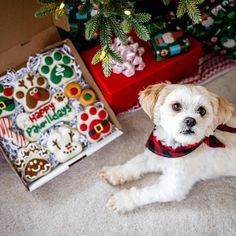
point(193, 140)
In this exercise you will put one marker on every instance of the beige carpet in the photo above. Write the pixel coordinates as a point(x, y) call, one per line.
point(74, 202)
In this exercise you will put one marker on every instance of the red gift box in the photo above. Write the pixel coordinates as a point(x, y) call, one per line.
point(122, 92)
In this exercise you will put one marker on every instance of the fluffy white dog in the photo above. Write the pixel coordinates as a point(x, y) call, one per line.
point(193, 140)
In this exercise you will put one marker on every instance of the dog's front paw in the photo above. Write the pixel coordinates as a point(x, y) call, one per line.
point(121, 202)
point(112, 175)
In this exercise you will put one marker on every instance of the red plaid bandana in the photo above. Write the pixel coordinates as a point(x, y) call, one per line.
point(155, 146)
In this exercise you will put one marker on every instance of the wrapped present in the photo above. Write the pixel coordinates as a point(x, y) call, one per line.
point(167, 39)
point(122, 92)
point(217, 28)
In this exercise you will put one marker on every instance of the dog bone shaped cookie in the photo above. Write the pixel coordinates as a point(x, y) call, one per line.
point(93, 123)
point(64, 143)
point(57, 68)
point(55, 111)
point(31, 92)
point(7, 105)
point(7, 133)
point(32, 162)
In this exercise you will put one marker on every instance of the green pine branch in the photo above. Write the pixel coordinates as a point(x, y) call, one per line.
point(190, 7)
point(48, 9)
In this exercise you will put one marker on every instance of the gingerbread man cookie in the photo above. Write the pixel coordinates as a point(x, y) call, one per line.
point(7, 105)
point(57, 110)
point(31, 92)
point(93, 123)
point(7, 133)
point(64, 143)
point(57, 68)
point(32, 162)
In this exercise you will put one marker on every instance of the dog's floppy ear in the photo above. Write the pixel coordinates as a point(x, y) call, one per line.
point(149, 97)
point(223, 110)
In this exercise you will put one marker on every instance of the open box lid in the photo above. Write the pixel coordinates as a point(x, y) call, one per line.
point(22, 33)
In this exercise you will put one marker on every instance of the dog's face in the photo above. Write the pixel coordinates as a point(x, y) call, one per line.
point(186, 113)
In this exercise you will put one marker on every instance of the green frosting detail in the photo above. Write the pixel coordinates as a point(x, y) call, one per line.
point(66, 59)
point(87, 96)
point(57, 56)
point(1, 88)
point(61, 71)
point(9, 103)
point(48, 61)
point(45, 69)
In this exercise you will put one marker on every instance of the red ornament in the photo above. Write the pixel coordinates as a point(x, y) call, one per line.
point(83, 127)
point(84, 117)
point(73, 91)
point(102, 114)
point(8, 92)
point(92, 110)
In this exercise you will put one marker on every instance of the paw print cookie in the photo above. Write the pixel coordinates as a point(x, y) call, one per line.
point(31, 92)
point(57, 110)
point(93, 123)
point(64, 143)
point(32, 162)
point(57, 68)
point(7, 105)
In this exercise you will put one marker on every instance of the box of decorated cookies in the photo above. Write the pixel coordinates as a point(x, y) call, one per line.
point(52, 114)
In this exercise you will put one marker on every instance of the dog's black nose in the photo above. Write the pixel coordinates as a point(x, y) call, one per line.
point(189, 121)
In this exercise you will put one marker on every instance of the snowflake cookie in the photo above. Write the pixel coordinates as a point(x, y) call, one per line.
point(32, 162)
point(57, 68)
point(7, 105)
point(64, 143)
point(93, 123)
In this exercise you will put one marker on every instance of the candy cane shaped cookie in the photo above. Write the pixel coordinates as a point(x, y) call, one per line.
point(7, 133)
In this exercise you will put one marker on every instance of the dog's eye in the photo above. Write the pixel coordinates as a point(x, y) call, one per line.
point(177, 106)
point(201, 110)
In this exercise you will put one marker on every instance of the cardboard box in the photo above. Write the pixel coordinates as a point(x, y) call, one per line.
point(122, 92)
point(21, 36)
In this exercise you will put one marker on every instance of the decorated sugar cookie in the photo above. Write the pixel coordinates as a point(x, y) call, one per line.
point(87, 97)
point(31, 92)
point(7, 133)
point(93, 123)
point(73, 90)
point(64, 143)
point(57, 110)
point(57, 68)
point(32, 162)
point(7, 105)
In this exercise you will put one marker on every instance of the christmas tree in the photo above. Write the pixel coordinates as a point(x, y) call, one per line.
point(113, 18)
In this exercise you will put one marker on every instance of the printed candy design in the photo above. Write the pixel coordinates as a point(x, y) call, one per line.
point(32, 162)
point(64, 143)
point(31, 92)
point(57, 110)
point(57, 68)
point(93, 123)
point(7, 133)
point(7, 105)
